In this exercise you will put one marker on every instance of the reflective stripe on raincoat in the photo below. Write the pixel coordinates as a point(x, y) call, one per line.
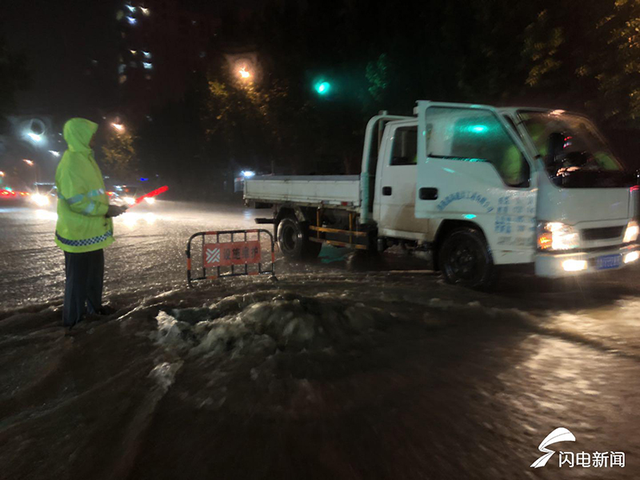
point(82, 199)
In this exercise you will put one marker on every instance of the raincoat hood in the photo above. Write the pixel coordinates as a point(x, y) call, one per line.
point(78, 133)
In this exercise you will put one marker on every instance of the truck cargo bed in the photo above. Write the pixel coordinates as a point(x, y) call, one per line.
point(335, 190)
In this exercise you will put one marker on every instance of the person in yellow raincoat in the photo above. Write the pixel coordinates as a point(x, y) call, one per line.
point(84, 226)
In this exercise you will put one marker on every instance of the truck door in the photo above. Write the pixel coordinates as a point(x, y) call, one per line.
point(394, 208)
point(472, 167)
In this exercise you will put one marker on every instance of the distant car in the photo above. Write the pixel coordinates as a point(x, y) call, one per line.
point(8, 195)
point(43, 195)
point(127, 195)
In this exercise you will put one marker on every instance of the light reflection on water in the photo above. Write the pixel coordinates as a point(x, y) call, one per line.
point(131, 219)
point(42, 214)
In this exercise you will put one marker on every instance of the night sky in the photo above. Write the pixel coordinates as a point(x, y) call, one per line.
point(59, 39)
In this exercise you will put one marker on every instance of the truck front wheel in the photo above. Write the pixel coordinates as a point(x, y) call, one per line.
point(465, 259)
point(294, 241)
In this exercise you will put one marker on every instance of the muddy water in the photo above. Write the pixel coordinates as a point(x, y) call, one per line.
point(357, 375)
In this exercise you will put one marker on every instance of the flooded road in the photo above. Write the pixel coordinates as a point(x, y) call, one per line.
point(344, 368)
point(148, 253)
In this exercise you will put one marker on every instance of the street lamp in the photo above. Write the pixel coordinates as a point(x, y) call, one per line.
point(54, 153)
point(244, 73)
point(35, 130)
point(118, 126)
point(28, 162)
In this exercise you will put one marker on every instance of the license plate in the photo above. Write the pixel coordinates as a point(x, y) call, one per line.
point(608, 261)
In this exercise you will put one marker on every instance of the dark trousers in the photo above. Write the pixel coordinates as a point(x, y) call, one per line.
point(83, 286)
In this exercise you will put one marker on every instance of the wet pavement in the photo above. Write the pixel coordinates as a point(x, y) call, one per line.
point(347, 367)
point(148, 252)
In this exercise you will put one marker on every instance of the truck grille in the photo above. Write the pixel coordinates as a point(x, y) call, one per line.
point(604, 233)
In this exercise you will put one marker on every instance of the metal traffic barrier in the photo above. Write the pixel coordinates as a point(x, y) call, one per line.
point(231, 256)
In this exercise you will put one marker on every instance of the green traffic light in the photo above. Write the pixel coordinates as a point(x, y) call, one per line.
point(323, 88)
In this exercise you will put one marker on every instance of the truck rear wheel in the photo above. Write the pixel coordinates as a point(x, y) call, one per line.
point(294, 242)
point(465, 259)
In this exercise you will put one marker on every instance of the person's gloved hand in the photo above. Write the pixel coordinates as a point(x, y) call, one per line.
point(115, 210)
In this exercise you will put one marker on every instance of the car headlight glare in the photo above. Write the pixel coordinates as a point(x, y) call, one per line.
point(557, 236)
point(631, 233)
point(40, 200)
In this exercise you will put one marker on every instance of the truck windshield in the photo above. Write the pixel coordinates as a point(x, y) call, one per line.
point(573, 150)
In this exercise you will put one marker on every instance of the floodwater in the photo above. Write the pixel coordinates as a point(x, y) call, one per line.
point(347, 367)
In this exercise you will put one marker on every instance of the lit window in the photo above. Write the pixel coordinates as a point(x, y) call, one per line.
point(121, 68)
point(133, 52)
point(147, 65)
point(131, 8)
point(145, 11)
point(146, 54)
point(131, 20)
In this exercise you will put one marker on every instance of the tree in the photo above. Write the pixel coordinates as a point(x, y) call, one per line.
point(251, 124)
point(588, 57)
point(119, 154)
point(236, 120)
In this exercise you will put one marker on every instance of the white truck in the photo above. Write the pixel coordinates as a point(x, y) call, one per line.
point(477, 186)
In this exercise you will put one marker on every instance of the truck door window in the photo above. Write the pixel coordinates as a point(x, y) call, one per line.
point(405, 146)
point(476, 136)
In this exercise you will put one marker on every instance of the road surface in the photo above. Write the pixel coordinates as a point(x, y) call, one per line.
point(345, 368)
point(148, 253)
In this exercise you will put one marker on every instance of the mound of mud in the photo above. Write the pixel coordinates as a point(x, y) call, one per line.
point(264, 324)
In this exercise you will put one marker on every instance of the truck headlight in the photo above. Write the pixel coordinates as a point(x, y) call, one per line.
point(631, 233)
point(557, 236)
